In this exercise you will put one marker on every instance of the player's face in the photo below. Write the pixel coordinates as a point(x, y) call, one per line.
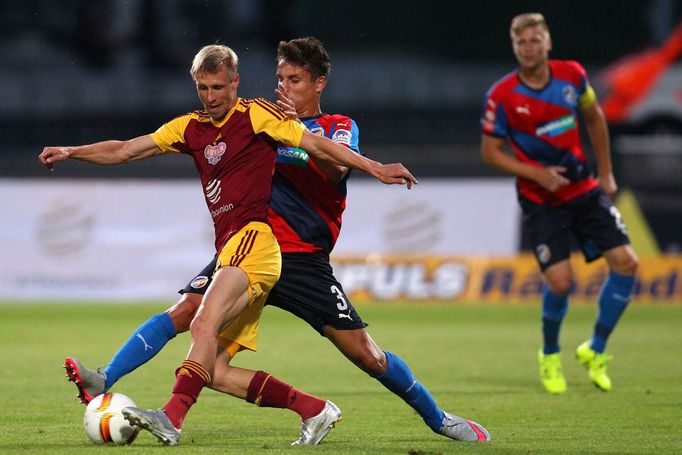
point(217, 92)
point(302, 89)
point(531, 47)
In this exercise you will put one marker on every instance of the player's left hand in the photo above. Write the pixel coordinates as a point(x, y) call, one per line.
point(51, 155)
point(395, 173)
point(285, 102)
point(608, 184)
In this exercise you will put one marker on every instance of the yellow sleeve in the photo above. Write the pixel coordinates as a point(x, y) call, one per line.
point(268, 118)
point(171, 136)
point(587, 98)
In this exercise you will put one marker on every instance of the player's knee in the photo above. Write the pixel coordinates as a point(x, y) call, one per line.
point(371, 362)
point(201, 329)
point(183, 311)
point(560, 285)
point(627, 265)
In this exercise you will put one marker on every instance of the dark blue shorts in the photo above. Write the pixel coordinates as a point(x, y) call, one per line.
point(307, 289)
point(591, 219)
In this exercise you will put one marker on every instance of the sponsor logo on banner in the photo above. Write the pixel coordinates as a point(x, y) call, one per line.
point(495, 280)
point(414, 226)
point(64, 229)
point(403, 279)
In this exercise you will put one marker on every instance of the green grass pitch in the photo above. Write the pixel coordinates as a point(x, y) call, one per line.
point(479, 361)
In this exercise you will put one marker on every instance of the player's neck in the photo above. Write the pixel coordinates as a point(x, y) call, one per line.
point(535, 78)
point(309, 111)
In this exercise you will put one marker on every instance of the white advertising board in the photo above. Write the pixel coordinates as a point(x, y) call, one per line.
point(441, 216)
point(101, 240)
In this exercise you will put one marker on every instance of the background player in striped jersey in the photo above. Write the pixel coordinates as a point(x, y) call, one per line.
point(233, 142)
point(534, 109)
point(308, 199)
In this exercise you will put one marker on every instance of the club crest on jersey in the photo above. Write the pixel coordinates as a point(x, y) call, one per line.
point(213, 153)
point(570, 95)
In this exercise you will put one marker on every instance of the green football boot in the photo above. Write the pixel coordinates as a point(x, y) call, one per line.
point(596, 364)
point(551, 374)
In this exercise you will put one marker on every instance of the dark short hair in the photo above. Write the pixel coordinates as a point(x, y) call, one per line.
point(307, 52)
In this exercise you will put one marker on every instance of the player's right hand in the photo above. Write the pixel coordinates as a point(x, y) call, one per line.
point(53, 155)
point(550, 177)
point(395, 174)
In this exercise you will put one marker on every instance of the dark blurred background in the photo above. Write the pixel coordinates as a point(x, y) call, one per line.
point(412, 74)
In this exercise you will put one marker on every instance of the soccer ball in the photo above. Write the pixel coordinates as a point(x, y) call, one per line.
point(104, 423)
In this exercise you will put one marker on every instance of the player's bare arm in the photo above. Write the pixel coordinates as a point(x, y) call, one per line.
point(106, 152)
point(597, 129)
point(549, 177)
point(325, 149)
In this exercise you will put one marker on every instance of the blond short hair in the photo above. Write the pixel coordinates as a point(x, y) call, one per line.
point(209, 58)
point(523, 21)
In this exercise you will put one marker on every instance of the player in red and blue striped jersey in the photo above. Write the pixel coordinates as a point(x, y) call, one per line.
point(534, 110)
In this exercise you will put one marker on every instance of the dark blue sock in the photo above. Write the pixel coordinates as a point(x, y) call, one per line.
point(399, 379)
point(143, 344)
point(613, 299)
point(554, 308)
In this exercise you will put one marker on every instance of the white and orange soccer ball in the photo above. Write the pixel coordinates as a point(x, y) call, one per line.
point(104, 423)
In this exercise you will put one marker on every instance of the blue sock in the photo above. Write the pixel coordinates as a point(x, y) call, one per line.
point(554, 308)
point(147, 340)
point(399, 379)
point(613, 299)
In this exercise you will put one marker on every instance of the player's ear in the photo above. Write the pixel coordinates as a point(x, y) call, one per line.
point(236, 80)
point(320, 84)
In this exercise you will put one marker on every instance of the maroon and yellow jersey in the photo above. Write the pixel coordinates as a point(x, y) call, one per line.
point(235, 158)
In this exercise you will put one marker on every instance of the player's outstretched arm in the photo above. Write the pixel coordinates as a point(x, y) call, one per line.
point(326, 150)
point(106, 152)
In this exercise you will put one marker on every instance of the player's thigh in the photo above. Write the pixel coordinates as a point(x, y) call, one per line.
point(247, 268)
point(309, 290)
point(549, 233)
point(599, 228)
point(226, 297)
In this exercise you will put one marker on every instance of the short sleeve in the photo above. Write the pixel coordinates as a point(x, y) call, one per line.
point(268, 118)
point(170, 137)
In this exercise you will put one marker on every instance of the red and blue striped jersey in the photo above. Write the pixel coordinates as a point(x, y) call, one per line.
point(306, 208)
point(541, 127)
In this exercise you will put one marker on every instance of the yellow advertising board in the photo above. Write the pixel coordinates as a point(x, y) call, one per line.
point(492, 279)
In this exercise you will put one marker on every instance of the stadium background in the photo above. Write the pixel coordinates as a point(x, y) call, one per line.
point(412, 78)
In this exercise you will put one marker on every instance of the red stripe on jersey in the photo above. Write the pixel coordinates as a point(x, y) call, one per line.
point(271, 108)
point(289, 241)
